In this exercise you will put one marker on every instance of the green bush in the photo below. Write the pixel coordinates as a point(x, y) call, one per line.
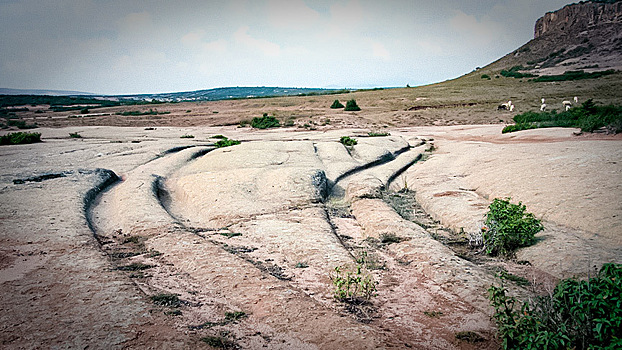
point(353, 287)
point(336, 104)
point(508, 227)
point(578, 315)
point(75, 135)
point(265, 122)
point(348, 141)
point(352, 106)
point(20, 138)
point(186, 136)
point(485, 76)
point(225, 142)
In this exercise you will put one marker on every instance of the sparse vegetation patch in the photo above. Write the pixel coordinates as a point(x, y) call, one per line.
point(588, 117)
point(353, 285)
point(20, 138)
point(577, 315)
point(225, 142)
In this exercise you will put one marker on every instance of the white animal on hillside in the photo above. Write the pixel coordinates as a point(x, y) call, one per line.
point(505, 106)
point(543, 107)
point(542, 100)
point(576, 99)
point(511, 108)
point(566, 104)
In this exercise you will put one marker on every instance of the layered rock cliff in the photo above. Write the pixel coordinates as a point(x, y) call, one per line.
point(578, 17)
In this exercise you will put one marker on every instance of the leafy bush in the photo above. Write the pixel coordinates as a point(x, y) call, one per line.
point(75, 135)
point(353, 287)
point(20, 138)
point(225, 142)
point(508, 227)
point(348, 141)
point(265, 122)
point(352, 106)
point(336, 104)
point(578, 315)
point(485, 76)
point(588, 117)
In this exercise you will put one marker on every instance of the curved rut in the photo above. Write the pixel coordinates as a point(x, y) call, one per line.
point(248, 262)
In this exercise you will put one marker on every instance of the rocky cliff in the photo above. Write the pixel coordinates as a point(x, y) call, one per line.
point(578, 17)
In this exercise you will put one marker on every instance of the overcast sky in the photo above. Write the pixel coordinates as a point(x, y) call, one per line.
point(131, 46)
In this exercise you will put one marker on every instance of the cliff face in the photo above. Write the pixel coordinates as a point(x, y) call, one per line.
point(578, 18)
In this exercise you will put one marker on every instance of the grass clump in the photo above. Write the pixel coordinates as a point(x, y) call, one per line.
point(234, 316)
point(218, 342)
point(265, 122)
point(301, 265)
point(165, 299)
point(577, 315)
point(135, 267)
point(508, 227)
point(336, 104)
point(352, 106)
point(75, 135)
point(186, 136)
point(485, 76)
point(348, 141)
point(588, 117)
point(353, 286)
point(378, 134)
point(225, 142)
point(218, 137)
point(17, 138)
point(388, 238)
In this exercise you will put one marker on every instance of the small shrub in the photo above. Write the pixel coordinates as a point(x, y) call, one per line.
point(225, 142)
point(20, 138)
point(577, 315)
point(234, 316)
point(378, 134)
point(186, 136)
point(84, 110)
point(75, 135)
point(336, 104)
point(388, 238)
point(348, 141)
point(353, 287)
point(352, 106)
point(219, 137)
point(302, 265)
point(485, 76)
point(265, 122)
point(508, 227)
point(165, 299)
point(218, 342)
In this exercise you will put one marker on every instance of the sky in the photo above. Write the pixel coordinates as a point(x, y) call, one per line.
point(131, 46)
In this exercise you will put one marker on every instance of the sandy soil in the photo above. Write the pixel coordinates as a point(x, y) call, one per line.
point(259, 228)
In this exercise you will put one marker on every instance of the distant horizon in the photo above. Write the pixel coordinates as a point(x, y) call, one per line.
point(133, 47)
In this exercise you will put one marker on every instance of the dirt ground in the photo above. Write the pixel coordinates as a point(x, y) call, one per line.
point(137, 238)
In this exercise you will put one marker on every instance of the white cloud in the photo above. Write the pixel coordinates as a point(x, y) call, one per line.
point(380, 51)
point(484, 31)
point(291, 14)
point(268, 48)
point(195, 39)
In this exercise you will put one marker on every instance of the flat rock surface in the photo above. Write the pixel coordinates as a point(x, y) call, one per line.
point(259, 228)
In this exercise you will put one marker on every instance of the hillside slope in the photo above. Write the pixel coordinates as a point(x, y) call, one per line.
point(585, 36)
